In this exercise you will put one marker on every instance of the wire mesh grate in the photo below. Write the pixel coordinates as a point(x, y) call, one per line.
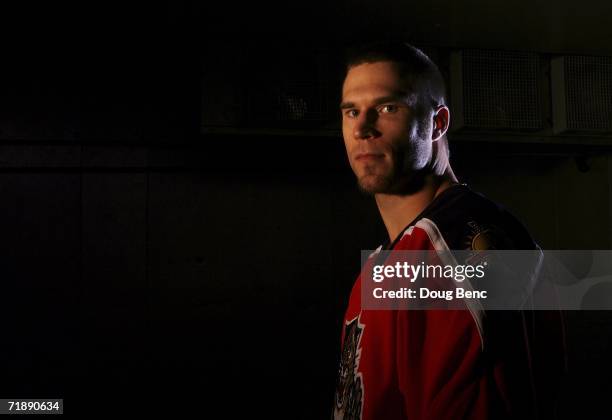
point(589, 92)
point(501, 89)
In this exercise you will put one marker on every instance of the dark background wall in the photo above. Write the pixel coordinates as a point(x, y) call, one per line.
point(171, 243)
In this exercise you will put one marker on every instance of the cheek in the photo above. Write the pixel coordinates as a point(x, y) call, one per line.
point(423, 143)
point(417, 153)
point(347, 128)
point(422, 154)
point(396, 126)
point(345, 138)
point(345, 131)
point(411, 150)
point(347, 149)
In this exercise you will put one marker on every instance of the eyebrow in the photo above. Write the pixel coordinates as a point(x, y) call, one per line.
point(405, 97)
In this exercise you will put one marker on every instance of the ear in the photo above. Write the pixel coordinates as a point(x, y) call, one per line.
point(441, 121)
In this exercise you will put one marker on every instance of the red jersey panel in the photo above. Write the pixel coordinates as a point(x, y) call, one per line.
point(439, 364)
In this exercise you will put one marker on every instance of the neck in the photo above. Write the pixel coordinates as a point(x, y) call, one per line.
point(397, 211)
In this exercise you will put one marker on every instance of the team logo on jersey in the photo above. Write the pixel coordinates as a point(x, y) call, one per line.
point(348, 403)
point(485, 237)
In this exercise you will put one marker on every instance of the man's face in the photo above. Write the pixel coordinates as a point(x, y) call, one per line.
point(387, 139)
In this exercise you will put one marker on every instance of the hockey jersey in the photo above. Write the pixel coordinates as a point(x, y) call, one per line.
point(443, 364)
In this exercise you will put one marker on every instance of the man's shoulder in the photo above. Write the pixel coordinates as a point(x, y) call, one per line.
point(467, 219)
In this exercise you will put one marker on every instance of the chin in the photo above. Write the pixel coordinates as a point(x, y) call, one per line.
point(371, 184)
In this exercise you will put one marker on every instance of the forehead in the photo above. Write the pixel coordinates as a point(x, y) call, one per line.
point(380, 78)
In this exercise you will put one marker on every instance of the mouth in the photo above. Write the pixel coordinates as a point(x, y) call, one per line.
point(369, 156)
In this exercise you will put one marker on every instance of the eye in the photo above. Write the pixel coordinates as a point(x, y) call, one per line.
point(388, 109)
point(351, 113)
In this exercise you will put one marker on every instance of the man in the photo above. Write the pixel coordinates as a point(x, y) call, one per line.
point(430, 364)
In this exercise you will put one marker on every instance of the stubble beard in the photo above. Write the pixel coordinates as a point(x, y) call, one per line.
point(374, 182)
point(395, 179)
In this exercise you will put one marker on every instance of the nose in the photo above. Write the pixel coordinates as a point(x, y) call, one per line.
point(365, 126)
